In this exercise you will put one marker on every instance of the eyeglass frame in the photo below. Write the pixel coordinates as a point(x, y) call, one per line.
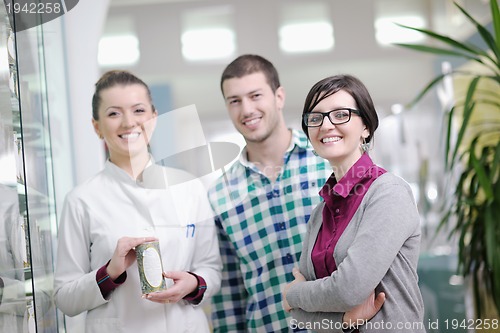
point(327, 114)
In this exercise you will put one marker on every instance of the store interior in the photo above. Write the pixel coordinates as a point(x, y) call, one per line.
point(180, 48)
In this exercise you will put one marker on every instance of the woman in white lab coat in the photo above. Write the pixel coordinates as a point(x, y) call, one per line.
point(128, 203)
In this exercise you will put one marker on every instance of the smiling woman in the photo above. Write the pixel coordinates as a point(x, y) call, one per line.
point(105, 219)
point(364, 238)
point(124, 116)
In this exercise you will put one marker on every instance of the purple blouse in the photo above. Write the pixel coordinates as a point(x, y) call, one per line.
point(342, 199)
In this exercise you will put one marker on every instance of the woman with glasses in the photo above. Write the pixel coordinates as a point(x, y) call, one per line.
point(364, 238)
point(128, 203)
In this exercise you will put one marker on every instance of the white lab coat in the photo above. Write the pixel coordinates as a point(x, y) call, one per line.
point(112, 205)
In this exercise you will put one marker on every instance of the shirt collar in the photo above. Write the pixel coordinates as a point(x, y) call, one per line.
point(122, 174)
point(298, 140)
point(352, 177)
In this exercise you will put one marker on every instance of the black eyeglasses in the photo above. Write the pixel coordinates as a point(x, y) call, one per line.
point(337, 117)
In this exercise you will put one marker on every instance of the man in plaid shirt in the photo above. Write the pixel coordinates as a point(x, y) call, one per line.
point(262, 203)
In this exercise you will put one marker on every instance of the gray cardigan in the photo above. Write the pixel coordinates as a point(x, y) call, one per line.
point(379, 251)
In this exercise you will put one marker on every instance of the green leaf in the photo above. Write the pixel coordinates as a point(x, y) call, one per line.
point(496, 283)
point(444, 221)
point(496, 163)
point(447, 40)
point(495, 13)
point(477, 295)
point(426, 89)
point(485, 34)
point(441, 51)
point(483, 179)
point(468, 109)
point(490, 239)
point(449, 130)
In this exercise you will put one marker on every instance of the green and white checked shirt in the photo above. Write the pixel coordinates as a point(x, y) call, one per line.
point(261, 226)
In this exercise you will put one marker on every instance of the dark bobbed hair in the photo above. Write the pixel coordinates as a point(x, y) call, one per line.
point(248, 64)
point(114, 78)
point(350, 84)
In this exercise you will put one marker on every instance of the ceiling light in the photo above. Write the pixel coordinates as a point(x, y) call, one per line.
point(306, 37)
point(388, 32)
point(120, 50)
point(208, 44)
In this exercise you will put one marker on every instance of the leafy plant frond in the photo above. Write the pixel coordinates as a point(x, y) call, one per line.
point(471, 216)
point(432, 84)
point(468, 48)
point(483, 179)
point(485, 34)
point(468, 109)
point(477, 57)
point(496, 22)
point(426, 89)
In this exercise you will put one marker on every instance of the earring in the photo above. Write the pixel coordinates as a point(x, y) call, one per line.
point(365, 146)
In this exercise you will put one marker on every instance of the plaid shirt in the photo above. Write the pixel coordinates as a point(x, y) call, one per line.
point(261, 227)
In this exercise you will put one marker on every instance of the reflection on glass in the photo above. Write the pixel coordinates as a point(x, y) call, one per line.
point(13, 303)
point(26, 204)
point(13, 258)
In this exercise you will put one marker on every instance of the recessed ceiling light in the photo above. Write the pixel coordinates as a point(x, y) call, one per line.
point(118, 50)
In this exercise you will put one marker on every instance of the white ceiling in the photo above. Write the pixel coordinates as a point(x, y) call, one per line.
point(393, 75)
point(118, 3)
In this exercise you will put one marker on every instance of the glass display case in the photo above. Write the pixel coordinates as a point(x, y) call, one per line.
point(27, 210)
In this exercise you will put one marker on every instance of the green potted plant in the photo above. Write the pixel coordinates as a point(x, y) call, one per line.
point(472, 155)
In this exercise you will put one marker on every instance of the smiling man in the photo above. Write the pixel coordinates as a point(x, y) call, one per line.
point(262, 203)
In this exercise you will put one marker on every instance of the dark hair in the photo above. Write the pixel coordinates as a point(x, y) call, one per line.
point(350, 84)
point(248, 64)
point(113, 78)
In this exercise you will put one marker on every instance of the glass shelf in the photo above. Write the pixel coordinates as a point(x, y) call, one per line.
point(26, 192)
